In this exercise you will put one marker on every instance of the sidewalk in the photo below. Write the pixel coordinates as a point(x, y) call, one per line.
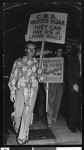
point(63, 135)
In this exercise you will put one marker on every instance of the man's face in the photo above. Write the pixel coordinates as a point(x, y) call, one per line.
point(59, 52)
point(30, 49)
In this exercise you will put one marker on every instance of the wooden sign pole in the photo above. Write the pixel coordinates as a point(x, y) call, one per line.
point(42, 48)
point(47, 96)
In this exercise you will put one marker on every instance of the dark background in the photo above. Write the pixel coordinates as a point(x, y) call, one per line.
point(16, 15)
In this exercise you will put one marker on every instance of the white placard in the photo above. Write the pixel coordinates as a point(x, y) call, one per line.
point(53, 69)
point(47, 26)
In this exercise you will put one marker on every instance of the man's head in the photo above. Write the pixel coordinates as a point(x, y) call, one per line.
point(59, 52)
point(30, 48)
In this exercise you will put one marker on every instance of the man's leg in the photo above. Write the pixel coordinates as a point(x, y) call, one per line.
point(73, 106)
point(18, 106)
point(28, 111)
point(51, 99)
point(41, 100)
point(58, 97)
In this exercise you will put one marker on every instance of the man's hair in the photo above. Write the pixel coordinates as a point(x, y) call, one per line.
point(29, 42)
point(60, 49)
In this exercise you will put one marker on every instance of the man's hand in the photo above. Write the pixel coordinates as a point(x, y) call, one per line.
point(75, 87)
point(39, 71)
point(12, 97)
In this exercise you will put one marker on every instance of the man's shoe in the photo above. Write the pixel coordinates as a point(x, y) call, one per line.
point(79, 129)
point(49, 125)
point(74, 130)
point(54, 120)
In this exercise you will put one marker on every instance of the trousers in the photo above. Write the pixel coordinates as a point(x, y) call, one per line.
point(54, 101)
point(23, 114)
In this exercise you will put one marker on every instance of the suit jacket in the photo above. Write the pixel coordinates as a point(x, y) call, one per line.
point(73, 71)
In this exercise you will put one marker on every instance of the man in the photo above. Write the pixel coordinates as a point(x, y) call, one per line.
point(74, 88)
point(23, 86)
point(55, 96)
